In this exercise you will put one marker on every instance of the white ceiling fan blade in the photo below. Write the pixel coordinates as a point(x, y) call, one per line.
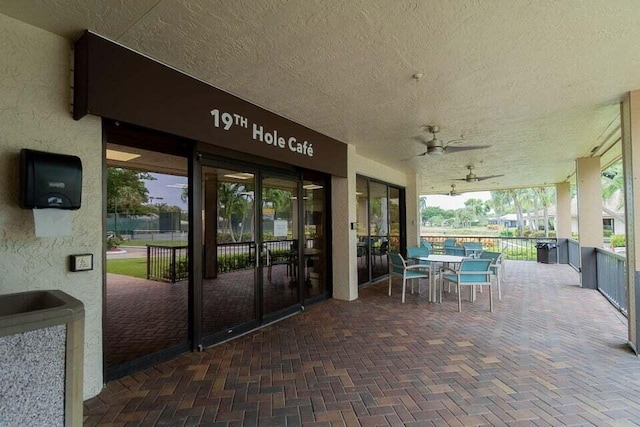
point(413, 157)
point(482, 178)
point(448, 149)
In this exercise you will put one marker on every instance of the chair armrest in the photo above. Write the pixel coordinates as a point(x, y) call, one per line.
point(449, 269)
point(416, 266)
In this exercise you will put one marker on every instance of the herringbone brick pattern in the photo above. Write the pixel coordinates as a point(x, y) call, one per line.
point(551, 354)
point(145, 316)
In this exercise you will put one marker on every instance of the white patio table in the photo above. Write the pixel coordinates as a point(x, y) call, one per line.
point(433, 260)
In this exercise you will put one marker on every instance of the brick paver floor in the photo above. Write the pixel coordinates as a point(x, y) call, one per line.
point(551, 354)
point(146, 316)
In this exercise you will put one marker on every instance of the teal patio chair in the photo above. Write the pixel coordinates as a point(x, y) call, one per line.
point(472, 249)
point(450, 241)
point(426, 244)
point(497, 267)
point(413, 253)
point(450, 248)
point(472, 273)
point(399, 267)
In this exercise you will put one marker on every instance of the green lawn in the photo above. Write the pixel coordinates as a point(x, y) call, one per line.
point(135, 267)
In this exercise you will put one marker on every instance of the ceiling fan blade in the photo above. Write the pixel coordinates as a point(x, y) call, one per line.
point(449, 149)
point(482, 178)
point(413, 157)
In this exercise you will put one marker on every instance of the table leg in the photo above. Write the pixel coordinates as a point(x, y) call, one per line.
point(433, 296)
point(430, 281)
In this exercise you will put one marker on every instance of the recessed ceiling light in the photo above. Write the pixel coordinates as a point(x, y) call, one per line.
point(239, 175)
point(121, 156)
point(312, 187)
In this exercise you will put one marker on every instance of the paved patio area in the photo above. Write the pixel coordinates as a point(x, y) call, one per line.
point(551, 354)
point(146, 316)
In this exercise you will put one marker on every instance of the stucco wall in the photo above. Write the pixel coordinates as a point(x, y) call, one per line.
point(34, 113)
point(373, 169)
point(343, 197)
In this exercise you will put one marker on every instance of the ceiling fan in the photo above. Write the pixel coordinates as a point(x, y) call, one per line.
point(436, 147)
point(472, 177)
point(452, 192)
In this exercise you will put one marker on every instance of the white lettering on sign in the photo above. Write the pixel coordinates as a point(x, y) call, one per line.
point(227, 120)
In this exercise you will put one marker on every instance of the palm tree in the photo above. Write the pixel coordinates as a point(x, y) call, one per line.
point(515, 195)
point(500, 202)
point(423, 205)
point(229, 199)
point(613, 183)
point(546, 196)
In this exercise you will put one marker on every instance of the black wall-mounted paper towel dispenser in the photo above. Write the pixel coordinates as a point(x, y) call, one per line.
point(50, 180)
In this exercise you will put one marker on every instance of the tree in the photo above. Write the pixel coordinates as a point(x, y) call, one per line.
point(517, 204)
point(126, 190)
point(500, 202)
point(612, 183)
point(546, 196)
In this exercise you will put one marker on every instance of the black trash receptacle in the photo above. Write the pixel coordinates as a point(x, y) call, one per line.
point(547, 252)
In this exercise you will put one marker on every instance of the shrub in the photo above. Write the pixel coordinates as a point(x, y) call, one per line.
point(507, 233)
point(113, 241)
point(618, 240)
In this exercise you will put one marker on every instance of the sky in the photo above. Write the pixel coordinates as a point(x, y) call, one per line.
point(168, 187)
point(456, 202)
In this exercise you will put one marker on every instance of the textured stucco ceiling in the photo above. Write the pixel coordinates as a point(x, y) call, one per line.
point(539, 80)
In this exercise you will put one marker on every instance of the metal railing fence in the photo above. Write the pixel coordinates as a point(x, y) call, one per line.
point(167, 263)
point(515, 248)
point(611, 276)
point(573, 246)
point(236, 256)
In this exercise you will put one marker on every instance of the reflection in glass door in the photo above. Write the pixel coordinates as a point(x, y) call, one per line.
point(315, 229)
point(380, 227)
point(229, 285)
point(280, 244)
point(256, 265)
point(362, 213)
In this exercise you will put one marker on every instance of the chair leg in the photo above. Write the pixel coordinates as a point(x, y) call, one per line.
point(498, 279)
point(389, 285)
point(459, 298)
point(404, 287)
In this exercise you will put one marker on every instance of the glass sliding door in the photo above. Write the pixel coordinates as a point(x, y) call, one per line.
point(146, 315)
point(394, 220)
point(281, 251)
point(229, 270)
point(378, 229)
point(315, 238)
point(264, 240)
point(380, 214)
point(362, 214)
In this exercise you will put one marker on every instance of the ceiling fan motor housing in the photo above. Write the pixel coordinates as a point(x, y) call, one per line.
point(435, 150)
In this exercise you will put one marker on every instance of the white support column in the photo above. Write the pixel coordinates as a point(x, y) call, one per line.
point(563, 220)
point(589, 217)
point(413, 214)
point(344, 240)
point(563, 210)
point(630, 113)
